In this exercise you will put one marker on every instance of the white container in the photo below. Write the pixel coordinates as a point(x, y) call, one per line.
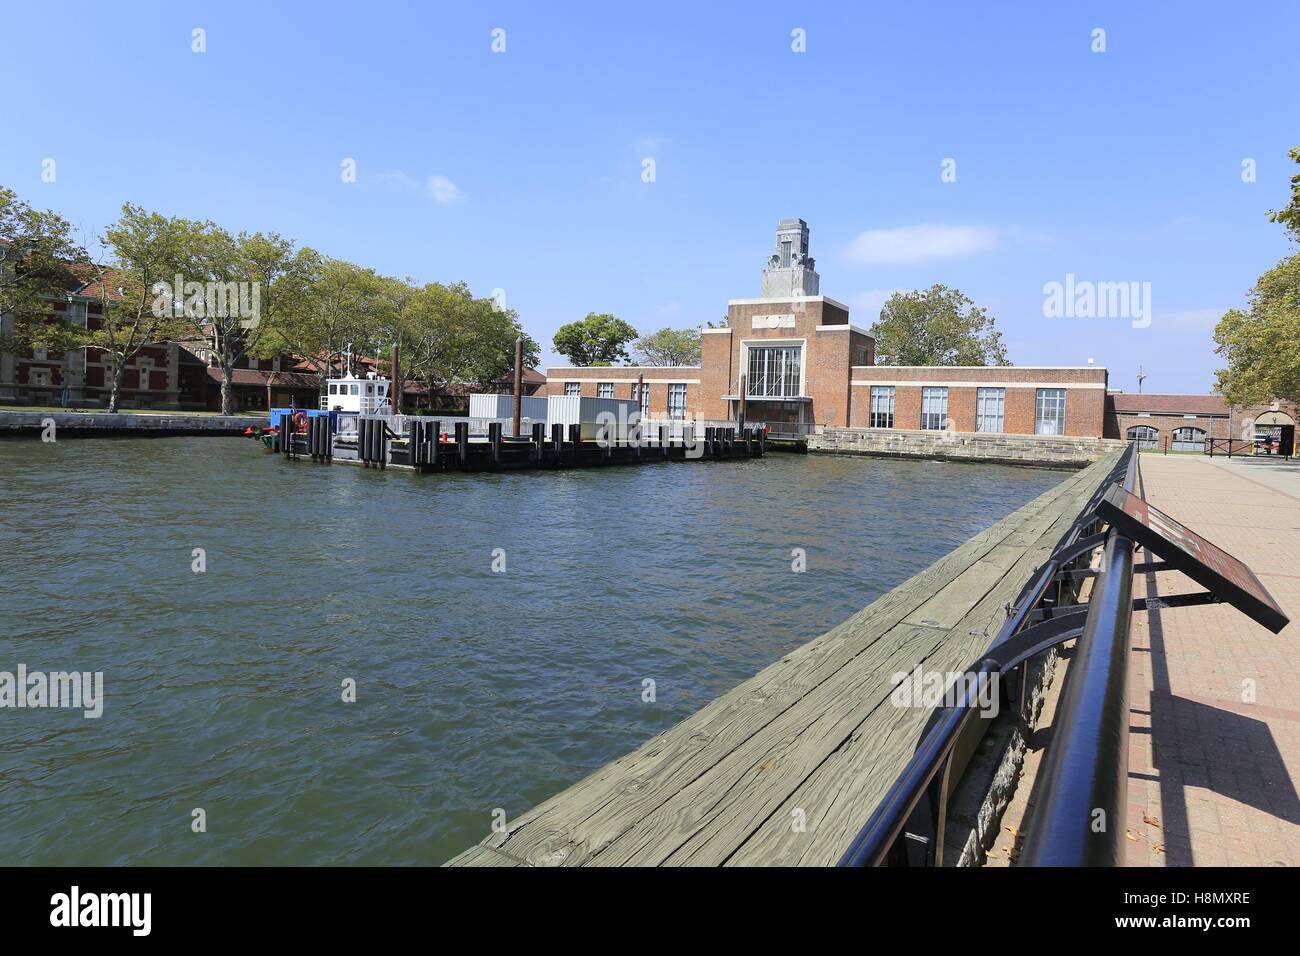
point(492, 405)
point(621, 414)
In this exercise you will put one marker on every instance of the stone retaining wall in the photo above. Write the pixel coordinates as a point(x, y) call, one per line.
point(1050, 450)
point(33, 424)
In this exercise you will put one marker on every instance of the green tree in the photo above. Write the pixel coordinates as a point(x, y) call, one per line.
point(936, 326)
point(598, 339)
point(147, 249)
point(335, 311)
point(280, 275)
point(459, 339)
point(1289, 215)
point(1261, 344)
point(669, 347)
point(39, 260)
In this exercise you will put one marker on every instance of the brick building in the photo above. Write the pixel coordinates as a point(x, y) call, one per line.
point(151, 379)
point(1188, 422)
point(792, 359)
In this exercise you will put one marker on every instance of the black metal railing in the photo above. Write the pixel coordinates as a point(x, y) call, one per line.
point(907, 827)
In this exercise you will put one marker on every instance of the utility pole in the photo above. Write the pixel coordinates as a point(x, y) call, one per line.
point(1141, 377)
point(519, 383)
point(395, 389)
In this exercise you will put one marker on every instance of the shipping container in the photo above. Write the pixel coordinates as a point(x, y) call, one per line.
point(491, 405)
point(621, 414)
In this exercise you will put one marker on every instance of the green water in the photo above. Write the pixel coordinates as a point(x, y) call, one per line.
point(476, 690)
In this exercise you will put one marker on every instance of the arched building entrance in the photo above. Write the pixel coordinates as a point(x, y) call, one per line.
point(1281, 426)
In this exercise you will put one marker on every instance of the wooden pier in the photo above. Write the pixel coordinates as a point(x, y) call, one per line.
point(786, 768)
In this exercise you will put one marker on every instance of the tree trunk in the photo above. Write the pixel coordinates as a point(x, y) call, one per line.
point(227, 399)
point(113, 387)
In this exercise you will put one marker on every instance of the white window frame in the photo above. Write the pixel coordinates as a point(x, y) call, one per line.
point(749, 346)
point(934, 408)
point(1057, 398)
point(604, 389)
point(991, 410)
point(881, 414)
point(573, 389)
point(676, 400)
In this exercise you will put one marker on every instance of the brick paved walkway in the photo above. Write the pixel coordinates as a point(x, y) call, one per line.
point(1212, 772)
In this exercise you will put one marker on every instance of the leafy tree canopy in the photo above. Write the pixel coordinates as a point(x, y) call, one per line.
point(669, 347)
point(1289, 215)
point(936, 326)
point(598, 339)
point(1261, 343)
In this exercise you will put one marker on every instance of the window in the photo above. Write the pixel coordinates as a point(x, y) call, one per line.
point(1049, 418)
point(356, 390)
point(572, 388)
point(677, 401)
point(604, 389)
point(882, 406)
point(645, 400)
point(774, 372)
point(1144, 435)
point(334, 389)
point(990, 409)
point(1188, 439)
point(934, 408)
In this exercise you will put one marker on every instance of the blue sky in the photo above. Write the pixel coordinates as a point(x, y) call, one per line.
point(522, 170)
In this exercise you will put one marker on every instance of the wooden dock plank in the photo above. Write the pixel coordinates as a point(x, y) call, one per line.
point(605, 804)
point(721, 786)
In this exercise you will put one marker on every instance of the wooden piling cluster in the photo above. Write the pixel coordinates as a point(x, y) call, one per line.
point(787, 767)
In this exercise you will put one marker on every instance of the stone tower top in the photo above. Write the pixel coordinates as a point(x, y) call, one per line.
point(790, 270)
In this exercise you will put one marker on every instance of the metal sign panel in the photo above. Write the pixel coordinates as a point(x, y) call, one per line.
point(1199, 559)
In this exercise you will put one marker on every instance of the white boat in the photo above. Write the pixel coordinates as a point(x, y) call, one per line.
point(366, 396)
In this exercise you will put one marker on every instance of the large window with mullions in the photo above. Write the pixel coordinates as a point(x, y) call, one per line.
point(1049, 415)
point(774, 372)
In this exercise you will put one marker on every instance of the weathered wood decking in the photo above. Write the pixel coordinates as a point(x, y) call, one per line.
point(813, 732)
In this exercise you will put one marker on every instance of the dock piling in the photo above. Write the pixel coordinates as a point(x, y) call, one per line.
point(462, 442)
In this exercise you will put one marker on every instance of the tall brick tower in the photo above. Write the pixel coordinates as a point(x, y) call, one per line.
point(790, 270)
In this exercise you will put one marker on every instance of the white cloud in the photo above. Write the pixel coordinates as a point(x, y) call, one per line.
point(443, 190)
point(438, 188)
point(908, 244)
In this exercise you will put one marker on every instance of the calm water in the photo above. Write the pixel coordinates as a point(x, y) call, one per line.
point(475, 690)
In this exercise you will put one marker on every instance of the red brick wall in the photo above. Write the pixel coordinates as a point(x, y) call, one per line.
point(829, 353)
point(624, 378)
point(1085, 398)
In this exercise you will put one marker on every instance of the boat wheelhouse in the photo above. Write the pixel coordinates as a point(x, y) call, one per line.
point(366, 396)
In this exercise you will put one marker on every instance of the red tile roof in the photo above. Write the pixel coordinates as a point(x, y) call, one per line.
point(252, 376)
point(1125, 403)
